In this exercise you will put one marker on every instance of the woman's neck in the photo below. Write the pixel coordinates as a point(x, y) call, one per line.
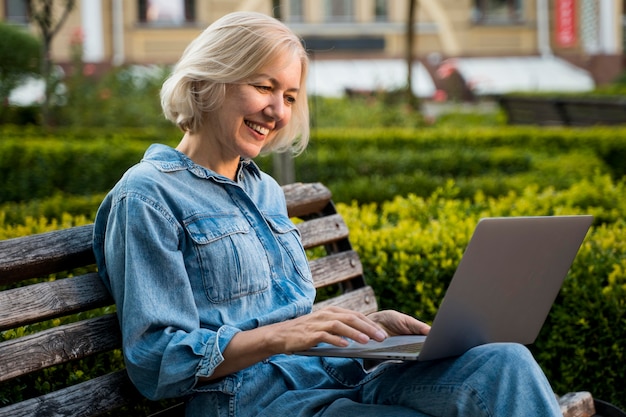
point(199, 150)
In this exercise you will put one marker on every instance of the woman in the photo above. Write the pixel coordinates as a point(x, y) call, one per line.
point(211, 281)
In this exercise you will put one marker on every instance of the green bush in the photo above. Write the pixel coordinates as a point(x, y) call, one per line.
point(410, 247)
point(19, 58)
point(124, 96)
point(34, 169)
point(364, 165)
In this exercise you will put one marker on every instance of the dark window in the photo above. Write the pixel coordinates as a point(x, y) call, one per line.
point(362, 43)
point(380, 10)
point(167, 12)
point(498, 11)
point(295, 11)
point(16, 11)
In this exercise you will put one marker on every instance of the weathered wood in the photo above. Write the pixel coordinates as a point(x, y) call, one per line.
point(321, 231)
point(87, 399)
point(577, 404)
point(45, 253)
point(362, 300)
point(46, 300)
point(335, 268)
point(58, 345)
point(303, 199)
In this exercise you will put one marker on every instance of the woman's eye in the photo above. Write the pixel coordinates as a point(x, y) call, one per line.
point(290, 100)
point(263, 88)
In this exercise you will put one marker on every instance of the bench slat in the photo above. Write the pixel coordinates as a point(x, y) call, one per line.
point(58, 345)
point(45, 253)
point(316, 232)
point(90, 398)
point(362, 300)
point(303, 199)
point(46, 300)
point(336, 268)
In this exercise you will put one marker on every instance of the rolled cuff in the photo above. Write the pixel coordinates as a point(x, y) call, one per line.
point(214, 351)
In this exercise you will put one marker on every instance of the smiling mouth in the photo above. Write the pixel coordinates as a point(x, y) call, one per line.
point(257, 128)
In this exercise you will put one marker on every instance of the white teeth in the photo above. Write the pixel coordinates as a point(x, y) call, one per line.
point(260, 129)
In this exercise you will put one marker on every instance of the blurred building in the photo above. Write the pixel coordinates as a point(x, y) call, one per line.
point(474, 38)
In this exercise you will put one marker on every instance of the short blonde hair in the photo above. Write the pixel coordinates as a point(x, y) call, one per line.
point(231, 50)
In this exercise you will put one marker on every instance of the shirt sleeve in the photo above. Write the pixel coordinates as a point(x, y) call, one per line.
point(165, 349)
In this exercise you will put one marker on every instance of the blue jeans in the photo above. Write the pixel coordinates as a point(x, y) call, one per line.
point(490, 380)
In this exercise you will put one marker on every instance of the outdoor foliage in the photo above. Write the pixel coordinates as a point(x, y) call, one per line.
point(411, 198)
point(19, 58)
point(410, 248)
point(373, 165)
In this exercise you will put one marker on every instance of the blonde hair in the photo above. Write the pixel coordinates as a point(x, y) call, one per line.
point(231, 50)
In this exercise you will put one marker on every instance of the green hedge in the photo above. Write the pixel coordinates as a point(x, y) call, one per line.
point(410, 248)
point(365, 165)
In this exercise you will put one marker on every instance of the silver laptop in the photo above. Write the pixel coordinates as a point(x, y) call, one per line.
point(502, 290)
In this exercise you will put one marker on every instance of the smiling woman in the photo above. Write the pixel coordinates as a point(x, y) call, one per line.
point(211, 280)
point(249, 119)
point(198, 83)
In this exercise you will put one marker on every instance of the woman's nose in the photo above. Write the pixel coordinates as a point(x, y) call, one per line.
point(276, 107)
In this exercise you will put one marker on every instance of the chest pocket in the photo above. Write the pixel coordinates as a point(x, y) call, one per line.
point(288, 236)
point(230, 257)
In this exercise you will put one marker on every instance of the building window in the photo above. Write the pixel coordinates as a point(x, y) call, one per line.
point(497, 11)
point(338, 11)
point(16, 11)
point(167, 12)
point(295, 11)
point(381, 12)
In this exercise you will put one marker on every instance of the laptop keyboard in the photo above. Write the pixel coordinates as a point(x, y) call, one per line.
point(408, 348)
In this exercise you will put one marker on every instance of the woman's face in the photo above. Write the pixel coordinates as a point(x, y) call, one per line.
point(255, 110)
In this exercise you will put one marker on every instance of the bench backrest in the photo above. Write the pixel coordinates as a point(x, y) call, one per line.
point(64, 341)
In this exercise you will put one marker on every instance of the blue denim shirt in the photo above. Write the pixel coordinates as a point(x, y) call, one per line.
point(191, 258)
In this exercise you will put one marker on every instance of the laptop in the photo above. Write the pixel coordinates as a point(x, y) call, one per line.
point(502, 291)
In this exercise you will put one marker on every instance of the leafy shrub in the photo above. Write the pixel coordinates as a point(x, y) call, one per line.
point(124, 96)
point(364, 165)
point(19, 58)
point(41, 168)
point(410, 248)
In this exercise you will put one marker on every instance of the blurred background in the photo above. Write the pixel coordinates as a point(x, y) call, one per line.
point(445, 49)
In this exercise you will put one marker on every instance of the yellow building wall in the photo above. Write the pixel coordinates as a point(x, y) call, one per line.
point(446, 29)
point(159, 45)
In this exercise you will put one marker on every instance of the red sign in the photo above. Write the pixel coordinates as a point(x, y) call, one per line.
point(565, 13)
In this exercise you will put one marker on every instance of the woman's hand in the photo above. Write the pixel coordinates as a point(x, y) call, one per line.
point(396, 323)
point(333, 325)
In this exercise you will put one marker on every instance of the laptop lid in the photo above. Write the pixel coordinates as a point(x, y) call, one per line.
point(502, 290)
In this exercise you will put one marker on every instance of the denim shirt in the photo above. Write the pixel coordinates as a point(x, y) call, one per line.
point(191, 258)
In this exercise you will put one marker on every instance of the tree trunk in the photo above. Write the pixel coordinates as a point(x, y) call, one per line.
point(410, 41)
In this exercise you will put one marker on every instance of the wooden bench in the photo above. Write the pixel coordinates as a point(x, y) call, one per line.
point(32, 298)
point(532, 111)
point(542, 111)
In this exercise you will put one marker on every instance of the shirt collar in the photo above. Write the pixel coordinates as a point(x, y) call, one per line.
point(167, 159)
